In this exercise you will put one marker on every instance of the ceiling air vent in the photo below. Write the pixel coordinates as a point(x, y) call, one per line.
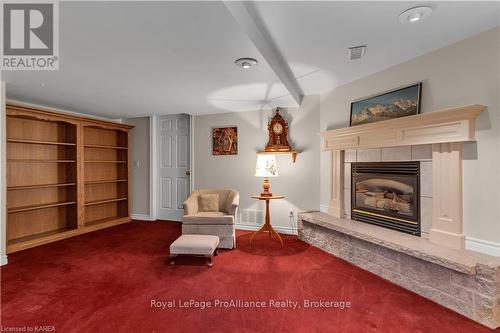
point(357, 52)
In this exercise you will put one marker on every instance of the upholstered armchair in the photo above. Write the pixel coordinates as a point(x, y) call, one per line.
point(218, 217)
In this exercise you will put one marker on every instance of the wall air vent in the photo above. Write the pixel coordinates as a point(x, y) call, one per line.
point(357, 52)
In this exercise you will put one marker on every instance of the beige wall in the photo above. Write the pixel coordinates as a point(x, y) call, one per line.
point(299, 182)
point(463, 73)
point(140, 160)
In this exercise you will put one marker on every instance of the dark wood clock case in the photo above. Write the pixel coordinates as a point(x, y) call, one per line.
point(278, 133)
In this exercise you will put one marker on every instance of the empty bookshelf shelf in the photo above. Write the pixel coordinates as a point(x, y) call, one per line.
point(29, 187)
point(40, 161)
point(40, 206)
point(104, 147)
point(105, 181)
point(41, 142)
point(99, 202)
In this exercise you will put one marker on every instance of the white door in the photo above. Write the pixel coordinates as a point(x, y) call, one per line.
point(173, 165)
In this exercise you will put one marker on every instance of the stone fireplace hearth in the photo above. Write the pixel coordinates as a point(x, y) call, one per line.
point(464, 281)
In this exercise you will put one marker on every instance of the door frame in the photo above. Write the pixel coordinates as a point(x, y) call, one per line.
point(153, 170)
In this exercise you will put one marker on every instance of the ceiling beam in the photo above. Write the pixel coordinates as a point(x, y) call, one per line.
point(246, 16)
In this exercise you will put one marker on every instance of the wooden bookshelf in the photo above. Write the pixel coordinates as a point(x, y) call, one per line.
point(106, 169)
point(66, 175)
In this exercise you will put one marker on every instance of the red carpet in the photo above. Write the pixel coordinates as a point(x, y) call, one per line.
point(105, 281)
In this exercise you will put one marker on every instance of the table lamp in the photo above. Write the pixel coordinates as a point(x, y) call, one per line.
point(266, 167)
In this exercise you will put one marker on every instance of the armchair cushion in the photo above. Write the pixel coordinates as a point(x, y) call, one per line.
point(222, 193)
point(208, 203)
point(208, 218)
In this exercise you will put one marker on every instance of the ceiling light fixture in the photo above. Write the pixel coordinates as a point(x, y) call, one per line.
point(415, 14)
point(246, 62)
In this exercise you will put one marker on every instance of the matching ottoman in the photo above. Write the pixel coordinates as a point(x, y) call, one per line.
point(194, 245)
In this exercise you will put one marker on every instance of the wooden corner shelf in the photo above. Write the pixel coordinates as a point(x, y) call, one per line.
point(292, 153)
point(39, 206)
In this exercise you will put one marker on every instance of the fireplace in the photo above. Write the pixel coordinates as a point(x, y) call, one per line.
point(387, 194)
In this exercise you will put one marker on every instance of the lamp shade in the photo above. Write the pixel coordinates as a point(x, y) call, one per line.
point(266, 166)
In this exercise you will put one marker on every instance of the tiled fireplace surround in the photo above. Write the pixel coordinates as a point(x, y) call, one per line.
point(422, 153)
point(436, 265)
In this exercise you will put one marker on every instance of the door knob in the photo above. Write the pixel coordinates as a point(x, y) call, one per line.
point(188, 173)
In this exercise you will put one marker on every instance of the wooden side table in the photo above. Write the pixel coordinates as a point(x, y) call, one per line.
point(267, 225)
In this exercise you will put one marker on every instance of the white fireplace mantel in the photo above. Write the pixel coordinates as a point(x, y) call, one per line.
point(446, 130)
point(449, 125)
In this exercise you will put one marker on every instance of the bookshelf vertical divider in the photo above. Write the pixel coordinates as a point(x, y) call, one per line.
point(80, 184)
point(66, 175)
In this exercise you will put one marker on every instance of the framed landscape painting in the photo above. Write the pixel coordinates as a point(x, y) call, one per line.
point(393, 104)
point(225, 141)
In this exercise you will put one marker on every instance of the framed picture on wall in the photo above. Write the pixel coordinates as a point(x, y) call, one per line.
point(225, 141)
point(397, 103)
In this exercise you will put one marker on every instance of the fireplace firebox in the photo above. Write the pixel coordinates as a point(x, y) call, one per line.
point(387, 194)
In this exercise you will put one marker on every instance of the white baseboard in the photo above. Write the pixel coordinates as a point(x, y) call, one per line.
point(483, 246)
point(323, 208)
point(3, 260)
point(141, 217)
point(281, 230)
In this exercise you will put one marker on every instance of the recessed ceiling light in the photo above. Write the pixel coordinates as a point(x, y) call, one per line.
point(246, 62)
point(415, 14)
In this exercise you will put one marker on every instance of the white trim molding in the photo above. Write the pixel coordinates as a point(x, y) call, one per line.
point(281, 230)
point(483, 246)
point(152, 167)
point(191, 147)
point(323, 209)
point(3, 260)
point(141, 217)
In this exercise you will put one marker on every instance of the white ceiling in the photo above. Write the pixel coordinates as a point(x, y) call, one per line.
point(314, 36)
point(126, 59)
